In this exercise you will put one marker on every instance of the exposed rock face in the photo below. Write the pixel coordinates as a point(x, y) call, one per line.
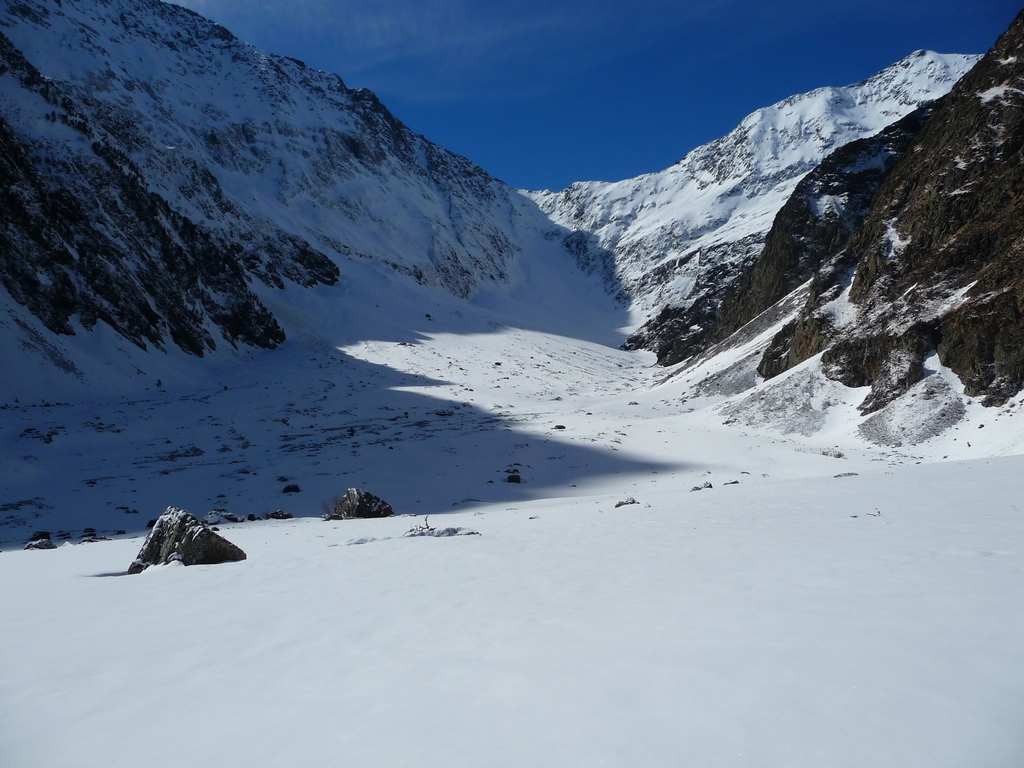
point(177, 535)
point(359, 503)
point(937, 263)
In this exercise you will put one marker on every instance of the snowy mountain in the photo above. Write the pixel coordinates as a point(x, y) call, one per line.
point(934, 266)
point(683, 235)
point(232, 285)
point(890, 282)
point(155, 166)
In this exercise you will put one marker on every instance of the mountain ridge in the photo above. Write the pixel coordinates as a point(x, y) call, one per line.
point(281, 170)
point(680, 235)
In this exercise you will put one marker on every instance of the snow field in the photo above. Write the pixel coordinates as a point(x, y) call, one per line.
point(771, 623)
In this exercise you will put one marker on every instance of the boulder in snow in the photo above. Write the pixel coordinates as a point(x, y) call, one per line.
point(219, 515)
point(40, 540)
point(358, 503)
point(179, 536)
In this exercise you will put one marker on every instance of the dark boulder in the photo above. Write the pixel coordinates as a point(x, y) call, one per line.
point(177, 535)
point(279, 514)
point(293, 488)
point(220, 515)
point(357, 503)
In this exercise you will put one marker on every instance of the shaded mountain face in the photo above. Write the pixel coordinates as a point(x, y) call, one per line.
point(154, 166)
point(937, 262)
point(677, 239)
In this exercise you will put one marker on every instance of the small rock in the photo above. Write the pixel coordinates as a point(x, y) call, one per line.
point(846, 474)
point(514, 479)
point(559, 426)
point(41, 544)
point(293, 488)
point(633, 402)
point(279, 515)
point(251, 517)
point(177, 535)
point(732, 482)
point(357, 503)
point(705, 486)
point(626, 502)
point(220, 515)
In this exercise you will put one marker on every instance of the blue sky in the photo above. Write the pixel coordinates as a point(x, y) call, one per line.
point(542, 93)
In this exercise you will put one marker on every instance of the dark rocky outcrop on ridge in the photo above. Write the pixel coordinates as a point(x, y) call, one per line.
point(84, 236)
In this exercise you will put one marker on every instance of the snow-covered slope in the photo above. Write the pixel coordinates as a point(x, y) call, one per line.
point(696, 566)
point(155, 166)
point(690, 229)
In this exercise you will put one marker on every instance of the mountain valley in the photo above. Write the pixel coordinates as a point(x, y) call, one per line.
point(742, 439)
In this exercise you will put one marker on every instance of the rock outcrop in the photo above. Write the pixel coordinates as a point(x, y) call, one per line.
point(937, 263)
point(179, 536)
point(811, 228)
point(357, 503)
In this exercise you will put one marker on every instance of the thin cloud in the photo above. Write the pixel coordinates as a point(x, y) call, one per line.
point(448, 49)
point(445, 50)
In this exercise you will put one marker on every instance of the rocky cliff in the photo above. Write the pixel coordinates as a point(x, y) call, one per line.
point(936, 265)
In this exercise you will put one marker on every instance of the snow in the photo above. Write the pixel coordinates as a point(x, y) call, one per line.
point(998, 93)
point(842, 591)
point(840, 604)
point(776, 622)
